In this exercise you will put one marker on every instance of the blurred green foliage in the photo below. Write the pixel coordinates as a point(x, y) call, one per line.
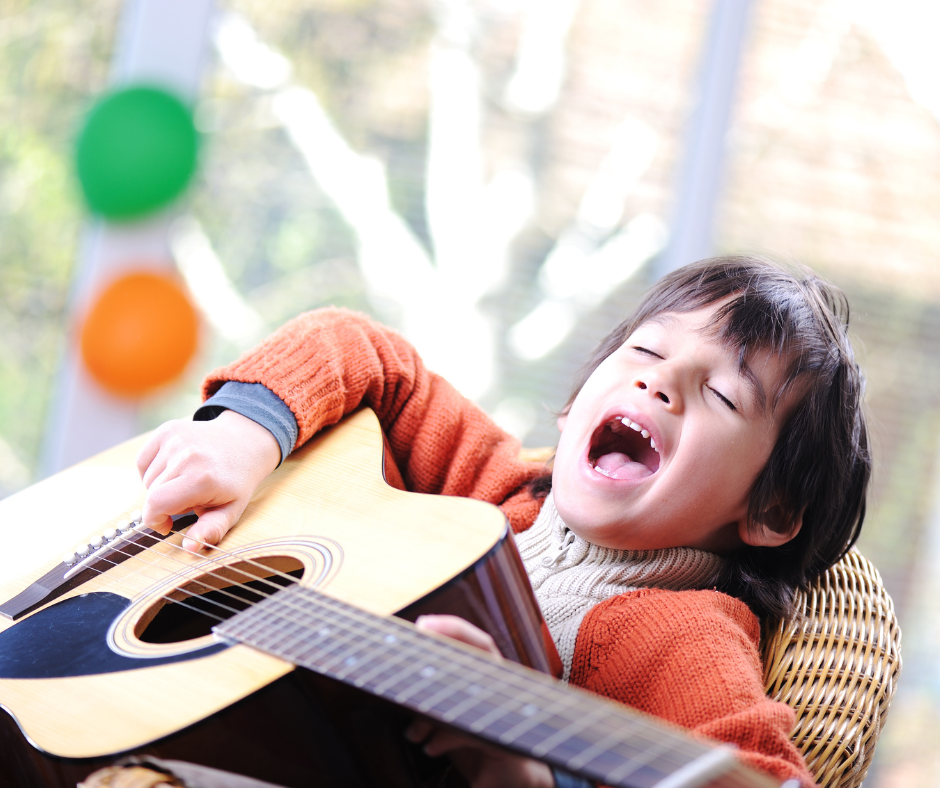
point(54, 55)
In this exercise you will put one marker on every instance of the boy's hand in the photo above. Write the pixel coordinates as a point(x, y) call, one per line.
point(212, 467)
point(483, 765)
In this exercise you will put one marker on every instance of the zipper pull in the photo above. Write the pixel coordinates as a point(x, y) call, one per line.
point(562, 551)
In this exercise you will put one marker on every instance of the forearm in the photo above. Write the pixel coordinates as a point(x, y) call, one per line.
point(325, 364)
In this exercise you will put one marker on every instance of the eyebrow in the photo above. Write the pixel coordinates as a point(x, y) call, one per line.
point(664, 319)
point(754, 384)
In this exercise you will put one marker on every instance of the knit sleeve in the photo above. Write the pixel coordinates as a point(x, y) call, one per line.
point(691, 658)
point(325, 364)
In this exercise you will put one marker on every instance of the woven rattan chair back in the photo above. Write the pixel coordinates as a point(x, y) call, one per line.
point(837, 663)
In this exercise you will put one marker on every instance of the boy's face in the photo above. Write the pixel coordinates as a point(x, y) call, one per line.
point(710, 435)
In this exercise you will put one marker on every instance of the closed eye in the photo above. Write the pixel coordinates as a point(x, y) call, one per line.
point(723, 398)
point(646, 351)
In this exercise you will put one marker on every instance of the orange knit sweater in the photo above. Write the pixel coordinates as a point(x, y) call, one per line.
point(689, 657)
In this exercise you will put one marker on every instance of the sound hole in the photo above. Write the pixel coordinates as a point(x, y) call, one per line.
point(193, 609)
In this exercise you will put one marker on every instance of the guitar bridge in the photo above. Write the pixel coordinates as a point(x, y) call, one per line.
point(81, 565)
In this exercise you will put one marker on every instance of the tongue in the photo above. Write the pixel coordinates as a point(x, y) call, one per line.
point(617, 465)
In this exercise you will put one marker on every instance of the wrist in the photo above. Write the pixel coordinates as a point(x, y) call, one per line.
point(256, 439)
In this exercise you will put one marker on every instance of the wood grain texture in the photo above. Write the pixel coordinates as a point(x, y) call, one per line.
point(389, 548)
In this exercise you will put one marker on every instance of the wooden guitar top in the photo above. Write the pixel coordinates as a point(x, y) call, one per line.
point(327, 508)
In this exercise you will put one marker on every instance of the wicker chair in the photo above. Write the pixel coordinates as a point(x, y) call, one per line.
point(837, 663)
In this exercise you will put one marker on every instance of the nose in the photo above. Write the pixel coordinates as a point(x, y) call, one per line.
point(661, 385)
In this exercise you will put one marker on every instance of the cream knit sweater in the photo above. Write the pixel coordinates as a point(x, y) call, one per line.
point(571, 575)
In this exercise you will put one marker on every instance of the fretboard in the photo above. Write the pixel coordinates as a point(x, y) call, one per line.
point(498, 701)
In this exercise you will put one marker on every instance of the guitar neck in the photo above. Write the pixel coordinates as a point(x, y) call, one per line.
point(500, 702)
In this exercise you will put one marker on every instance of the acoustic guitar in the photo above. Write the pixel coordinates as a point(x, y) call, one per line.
point(113, 640)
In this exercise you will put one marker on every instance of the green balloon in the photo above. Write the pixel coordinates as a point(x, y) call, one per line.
point(136, 151)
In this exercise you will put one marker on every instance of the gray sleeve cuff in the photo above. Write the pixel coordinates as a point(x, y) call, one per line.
point(258, 403)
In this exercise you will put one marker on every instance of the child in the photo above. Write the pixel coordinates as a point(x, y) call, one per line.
point(713, 457)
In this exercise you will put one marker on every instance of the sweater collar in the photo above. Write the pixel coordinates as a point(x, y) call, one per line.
point(550, 548)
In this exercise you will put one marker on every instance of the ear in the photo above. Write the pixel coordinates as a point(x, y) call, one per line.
point(562, 421)
point(774, 528)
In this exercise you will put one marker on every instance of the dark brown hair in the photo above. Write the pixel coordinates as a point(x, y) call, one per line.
point(820, 466)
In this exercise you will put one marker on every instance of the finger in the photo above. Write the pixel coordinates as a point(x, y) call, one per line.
point(147, 453)
point(209, 529)
point(444, 741)
point(170, 495)
point(163, 526)
point(151, 449)
point(419, 729)
point(460, 629)
point(154, 469)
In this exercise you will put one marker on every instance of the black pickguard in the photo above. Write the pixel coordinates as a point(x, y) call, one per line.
point(69, 638)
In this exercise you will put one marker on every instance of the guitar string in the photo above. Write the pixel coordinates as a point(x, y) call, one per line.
point(153, 547)
point(651, 749)
point(369, 622)
point(475, 661)
point(350, 635)
point(125, 583)
point(336, 644)
point(498, 712)
point(194, 572)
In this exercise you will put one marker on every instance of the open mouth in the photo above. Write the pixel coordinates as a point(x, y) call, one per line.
point(623, 449)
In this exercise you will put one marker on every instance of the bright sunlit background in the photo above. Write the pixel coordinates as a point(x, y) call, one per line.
point(501, 180)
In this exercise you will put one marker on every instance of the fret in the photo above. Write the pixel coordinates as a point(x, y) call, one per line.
point(569, 747)
point(639, 750)
point(526, 713)
point(282, 637)
point(392, 656)
point(499, 701)
point(387, 675)
point(444, 697)
point(345, 662)
point(546, 730)
point(288, 637)
point(495, 722)
point(699, 772)
point(561, 733)
point(595, 752)
point(531, 704)
point(424, 676)
point(333, 633)
point(400, 681)
point(641, 763)
point(532, 719)
point(475, 692)
point(475, 708)
point(554, 717)
point(341, 652)
point(335, 642)
point(613, 767)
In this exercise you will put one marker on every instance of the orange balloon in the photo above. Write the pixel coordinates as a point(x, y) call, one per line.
point(139, 334)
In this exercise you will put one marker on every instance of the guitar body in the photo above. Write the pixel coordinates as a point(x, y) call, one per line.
point(105, 665)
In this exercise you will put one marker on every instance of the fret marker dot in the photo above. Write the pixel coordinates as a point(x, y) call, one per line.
point(324, 632)
point(428, 672)
point(390, 638)
point(474, 689)
point(351, 660)
point(528, 710)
